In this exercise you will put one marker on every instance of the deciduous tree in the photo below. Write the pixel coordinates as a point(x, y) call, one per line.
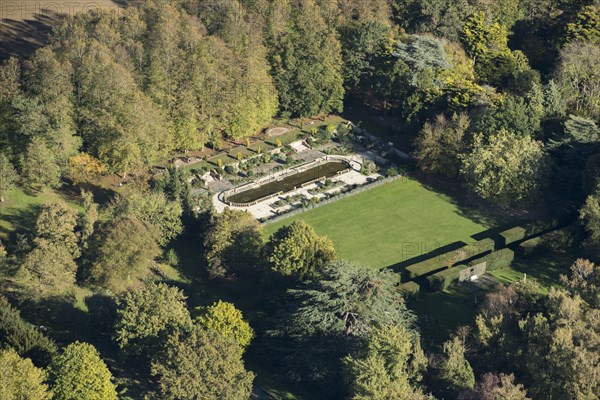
point(80, 374)
point(147, 316)
point(505, 168)
point(297, 250)
point(8, 177)
point(233, 242)
point(21, 380)
point(124, 249)
point(224, 318)
point(202, 364)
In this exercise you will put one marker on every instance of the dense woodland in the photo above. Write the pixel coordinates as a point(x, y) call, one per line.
point(501, 97)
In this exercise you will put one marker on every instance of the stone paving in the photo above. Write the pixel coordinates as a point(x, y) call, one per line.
point(263, 209)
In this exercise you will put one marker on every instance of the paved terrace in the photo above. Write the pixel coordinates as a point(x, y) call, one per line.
point(263, 208)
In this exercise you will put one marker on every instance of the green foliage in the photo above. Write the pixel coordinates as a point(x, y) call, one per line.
point(389, 368)
point(581, 130)
point(124, 249)
point(233, 242)
point(306, 63)
point(512, 235)
point(455, 370)
point(152, 208)
point(48, 268)
point(39, 166)
point(435, 264)
point(8, 177)
point(21, 380)
point(24, 338)
point(56, 224)
point(411, 288)
point(362, 46)
point(521, 115)
point(440, 144)
point(586, 26)
point(497, 260)
point(578, 78)
point(554, 103)
point(147, 316)
point(443, 279)
point(494, 386)
point(348, 299)
point(505, 168)
point(80, 374)
point(487, 43)
point(590, 215)
point(296, 250)
point(202, 364)
point(551, 336)
point(224, 318)
point(87, 217)
point(421, 53)
point(584, 280)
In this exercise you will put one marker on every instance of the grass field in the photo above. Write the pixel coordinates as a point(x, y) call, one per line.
point(18, 212)
point(392, 223)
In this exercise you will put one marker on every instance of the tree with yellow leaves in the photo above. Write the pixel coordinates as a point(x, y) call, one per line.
point(224, 318)
point(84, 167)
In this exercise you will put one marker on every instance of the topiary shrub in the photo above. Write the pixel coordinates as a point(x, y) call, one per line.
point(531, 247)
point(512, 235)
point(435, 264)
point(497, 260)
point(443, 279)
point(480, 247)
point(410, 288)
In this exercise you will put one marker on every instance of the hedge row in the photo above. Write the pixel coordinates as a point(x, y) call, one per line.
point(531, 247)
point(433, 265)
point(481, 247)
point(512, 235)
point(445, 260)
point(443, 279)
point(411, 288)
point(554, 240)
point(497, 260)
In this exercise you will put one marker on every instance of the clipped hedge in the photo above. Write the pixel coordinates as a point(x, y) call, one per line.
point(411, 288)
point(497, 260)
point(448, 259)
point(481, 247)
point(555, 240)
point(443, 279)
point(512, 235)
point(423, 268)
point(531, 247)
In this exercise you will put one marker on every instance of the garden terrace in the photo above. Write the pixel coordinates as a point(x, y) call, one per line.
point(291, 179)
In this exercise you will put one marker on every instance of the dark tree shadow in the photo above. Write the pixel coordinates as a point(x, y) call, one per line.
point(25, 26)
point(399, 267)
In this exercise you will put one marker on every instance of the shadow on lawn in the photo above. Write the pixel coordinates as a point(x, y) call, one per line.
point(22, 219)
point(468, 205)
point(399, 267)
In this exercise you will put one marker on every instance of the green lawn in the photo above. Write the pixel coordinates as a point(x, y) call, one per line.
point(544, 269)
point(18, 212)
point(387, 225)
